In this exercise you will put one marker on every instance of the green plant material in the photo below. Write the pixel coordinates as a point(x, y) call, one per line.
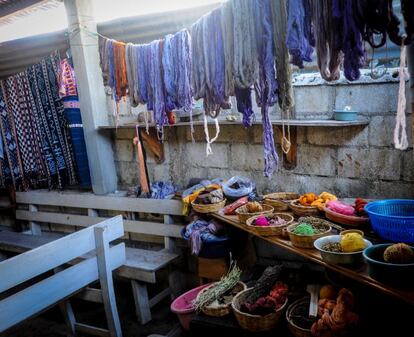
point(227, 283)
point(304, 229)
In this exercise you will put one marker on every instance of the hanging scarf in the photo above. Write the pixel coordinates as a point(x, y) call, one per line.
point(297, 39)
point(283, 71)
point(328, 36)
point(9, 134)
point(68, 93)
point(266, 86)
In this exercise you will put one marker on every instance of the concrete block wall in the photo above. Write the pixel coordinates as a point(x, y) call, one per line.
point(348, 161)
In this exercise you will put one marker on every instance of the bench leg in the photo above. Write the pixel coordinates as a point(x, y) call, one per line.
point(69, 316)
point(142, 305)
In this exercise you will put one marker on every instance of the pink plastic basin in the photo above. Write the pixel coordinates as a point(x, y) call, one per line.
point(183, 306)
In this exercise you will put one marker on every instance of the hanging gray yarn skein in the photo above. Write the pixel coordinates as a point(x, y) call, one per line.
point(245, 63)
point(283, 69)
point(228, 40)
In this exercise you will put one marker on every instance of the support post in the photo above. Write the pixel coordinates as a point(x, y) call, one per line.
point(410, 57)
point(92, 99)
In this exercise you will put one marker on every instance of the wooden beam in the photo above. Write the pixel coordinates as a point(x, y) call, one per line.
point(92, 98)
point(89, 200)
point(131, 226)
point(16, 6)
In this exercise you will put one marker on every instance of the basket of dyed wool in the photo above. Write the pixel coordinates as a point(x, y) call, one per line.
point(208, 201)
point(260, 308)
point(280, 201)
point(303, 210)
point(252, 209)
point(273, 224)
point(307, 230)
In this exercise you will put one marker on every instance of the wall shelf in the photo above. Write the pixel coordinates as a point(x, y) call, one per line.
point(292, 122)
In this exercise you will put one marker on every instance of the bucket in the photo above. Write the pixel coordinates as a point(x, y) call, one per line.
point(183, 306)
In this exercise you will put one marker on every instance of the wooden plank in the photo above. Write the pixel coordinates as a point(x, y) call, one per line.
point(32, 300)
point(91, 330)
point(14, 7)
point(89, 200)
point(159, 297)
point(90, 295)
point(142, 305)
point(131, 226)
point(34, 262)
point(34, 227)
point(360, 275)
point(19, 242)
point(106, 281)
point(169, 242)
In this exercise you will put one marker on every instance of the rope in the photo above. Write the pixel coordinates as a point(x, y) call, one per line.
point(209, 151)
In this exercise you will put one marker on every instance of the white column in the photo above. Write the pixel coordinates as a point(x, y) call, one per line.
point(85, 53)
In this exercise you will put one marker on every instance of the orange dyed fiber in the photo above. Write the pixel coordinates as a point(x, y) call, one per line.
point(120, 69)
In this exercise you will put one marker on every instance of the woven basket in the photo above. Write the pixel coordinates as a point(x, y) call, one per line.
point(280, 201)
point(255, 323)
point(208, 208)
point(305, 241)
point(300, 210)
point(244, 215)
point(222, 309)
point(294, 329)
point(269, 230)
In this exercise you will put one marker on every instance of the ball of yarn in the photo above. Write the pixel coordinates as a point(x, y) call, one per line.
point(352, 242)
point(261, 221)
point(304, 229)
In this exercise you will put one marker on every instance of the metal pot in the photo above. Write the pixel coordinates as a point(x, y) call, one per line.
point(353, 258)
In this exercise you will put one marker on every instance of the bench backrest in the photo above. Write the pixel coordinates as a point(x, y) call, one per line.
point(94, 204)
point(65, 282)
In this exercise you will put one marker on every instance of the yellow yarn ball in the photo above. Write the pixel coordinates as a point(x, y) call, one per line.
point(352, 242)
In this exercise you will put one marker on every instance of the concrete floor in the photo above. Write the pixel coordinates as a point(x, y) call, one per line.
point(51, 323)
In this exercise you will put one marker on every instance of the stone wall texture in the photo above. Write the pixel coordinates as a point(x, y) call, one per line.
point(348, 161)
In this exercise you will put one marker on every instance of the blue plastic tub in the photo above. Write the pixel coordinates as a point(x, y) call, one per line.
point(392, 219)
point(398, 275)
point(345, 115)
point(221, 247)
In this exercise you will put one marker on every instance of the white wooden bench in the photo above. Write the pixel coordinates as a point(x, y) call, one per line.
point(98, 264)
point(69, 211)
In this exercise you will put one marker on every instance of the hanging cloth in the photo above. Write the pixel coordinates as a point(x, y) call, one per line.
point(13, 165)
point(227, 25)
point(266, 86)
point(298, 38)
point(69, 95)
point(132, 73)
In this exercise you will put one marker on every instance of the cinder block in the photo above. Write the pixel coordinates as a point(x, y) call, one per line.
point(195, 155)
point(369, 99)
point(356, 135)
point(316, 160)
point(246, 157)
point(311, 100)
point(369, 163)
point(124, 150)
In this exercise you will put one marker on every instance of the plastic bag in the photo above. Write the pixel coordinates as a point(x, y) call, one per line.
point(237, 187)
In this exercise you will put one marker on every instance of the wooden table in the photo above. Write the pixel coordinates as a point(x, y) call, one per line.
point(360, 274)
